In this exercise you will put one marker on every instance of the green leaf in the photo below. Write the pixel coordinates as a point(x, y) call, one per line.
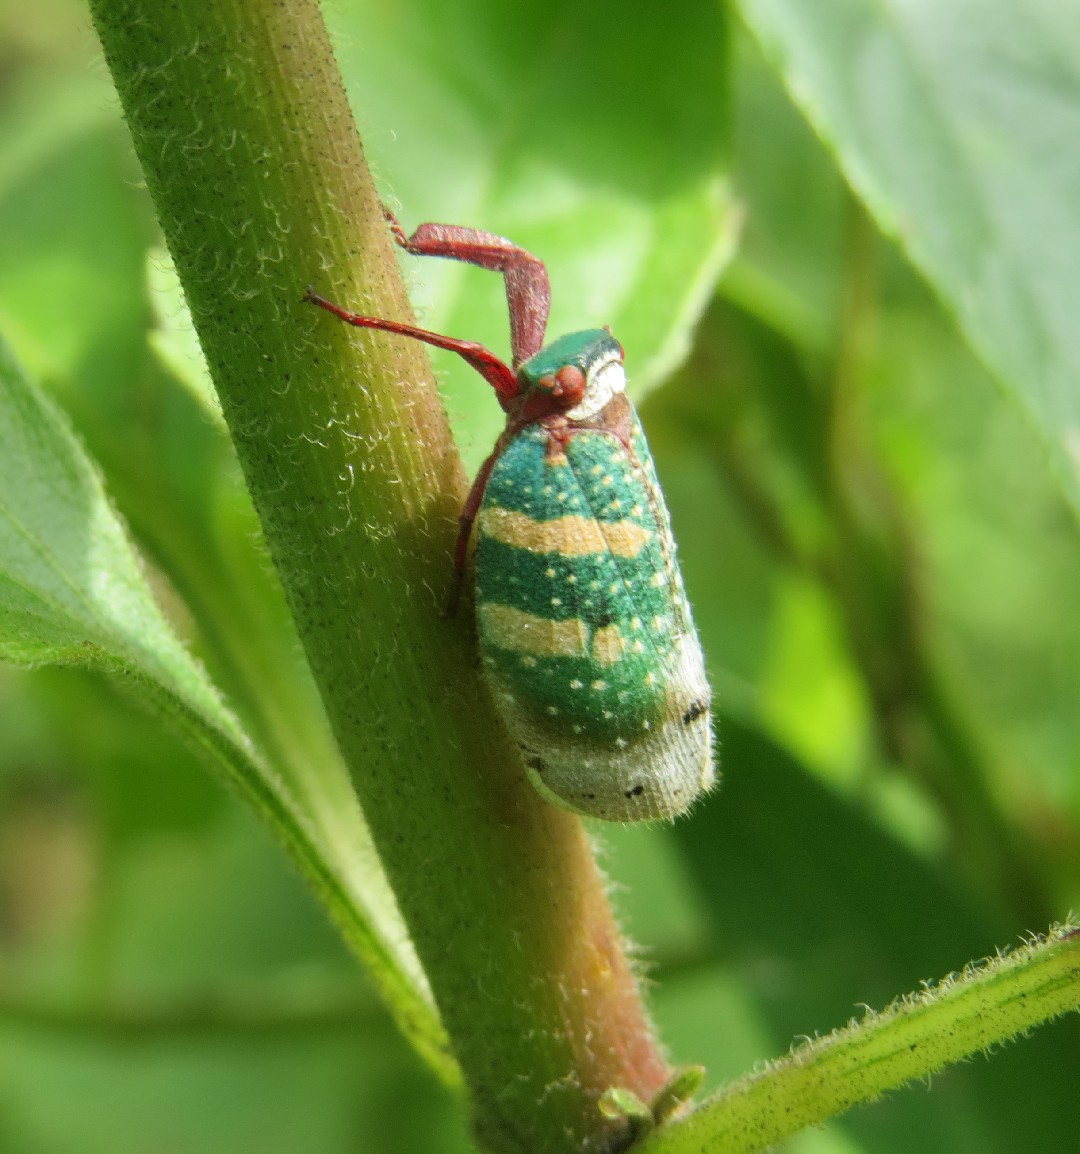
point(953, 122)
point(72, 591)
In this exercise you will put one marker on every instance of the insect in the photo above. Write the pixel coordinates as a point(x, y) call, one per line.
point(585, 631)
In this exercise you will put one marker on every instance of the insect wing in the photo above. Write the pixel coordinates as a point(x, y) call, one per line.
point(585, 631)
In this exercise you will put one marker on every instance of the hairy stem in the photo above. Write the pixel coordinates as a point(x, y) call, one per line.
point(251, 156)
point(912, 1039)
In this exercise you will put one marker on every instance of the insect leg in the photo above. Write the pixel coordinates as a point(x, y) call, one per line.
point(466, 518)
point(528, 292)
point(497, 374)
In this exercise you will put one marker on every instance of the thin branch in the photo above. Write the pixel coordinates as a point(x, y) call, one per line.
point(986, 1005)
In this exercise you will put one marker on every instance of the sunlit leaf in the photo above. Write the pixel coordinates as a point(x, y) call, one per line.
point(954, 122)
point(72, 591)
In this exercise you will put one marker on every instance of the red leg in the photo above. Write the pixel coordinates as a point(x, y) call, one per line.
point(498, 374)
point(465, 523)
point(528, 292)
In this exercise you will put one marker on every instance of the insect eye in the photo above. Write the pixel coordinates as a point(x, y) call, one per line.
point(568, 385)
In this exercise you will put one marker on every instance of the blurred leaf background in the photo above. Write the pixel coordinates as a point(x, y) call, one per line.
point(880, 541)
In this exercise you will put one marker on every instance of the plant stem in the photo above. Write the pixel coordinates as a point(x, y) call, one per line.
point(250, 153)
point(913, 1039)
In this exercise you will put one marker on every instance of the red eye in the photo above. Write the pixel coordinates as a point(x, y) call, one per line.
point(569, 385)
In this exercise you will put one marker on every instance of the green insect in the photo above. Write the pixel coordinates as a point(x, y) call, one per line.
point(585, 630)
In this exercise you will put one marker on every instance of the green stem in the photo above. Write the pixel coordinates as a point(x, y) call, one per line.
point(250, 153)
point(982, 1007)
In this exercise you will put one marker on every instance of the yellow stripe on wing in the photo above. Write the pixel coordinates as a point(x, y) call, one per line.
point(521, 632)
point(570, 536)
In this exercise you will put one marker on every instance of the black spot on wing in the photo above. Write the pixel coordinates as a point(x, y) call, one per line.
point(695, 710)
